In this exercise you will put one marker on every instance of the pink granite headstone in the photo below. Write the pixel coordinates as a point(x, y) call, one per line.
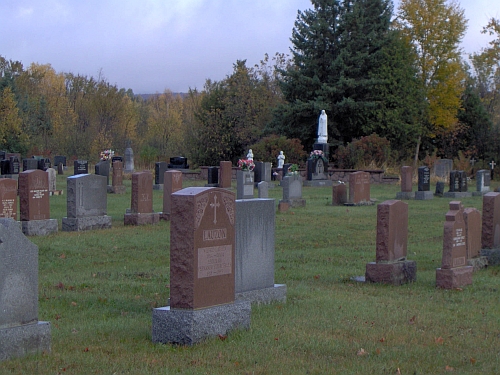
point(490, 237)
point(172, 182)
point(34, 195)
point(359, 187)
point(406, 179)
point(8, 198)
point(226, 171)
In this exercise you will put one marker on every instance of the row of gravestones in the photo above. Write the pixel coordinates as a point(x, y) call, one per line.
point(469, 243)
point(216, 268)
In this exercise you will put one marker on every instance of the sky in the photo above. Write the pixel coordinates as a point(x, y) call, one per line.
point(150, 46)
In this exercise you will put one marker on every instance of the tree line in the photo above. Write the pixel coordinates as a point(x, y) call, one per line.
point(394, 83)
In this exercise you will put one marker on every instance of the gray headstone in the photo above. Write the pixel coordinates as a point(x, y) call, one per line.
point(160, 169)
point(263, 189)
point(102, 169)
point(129, 161)
point(483, 180)
point(443, 167)
point(30, 163)
point(244, 184)
point(51, 173)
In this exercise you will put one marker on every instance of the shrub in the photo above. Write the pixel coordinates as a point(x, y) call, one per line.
point(369, 151)
point(268, 149)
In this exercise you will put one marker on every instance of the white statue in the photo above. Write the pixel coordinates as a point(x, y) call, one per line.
point(323, 128)
point(281, 159)
point(250, 155)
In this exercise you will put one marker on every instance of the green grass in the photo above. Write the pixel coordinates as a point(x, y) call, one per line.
point(98, 288)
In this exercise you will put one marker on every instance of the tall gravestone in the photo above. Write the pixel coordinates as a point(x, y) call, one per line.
point(490, 234)
point(254, 265)
point(21, 332)
point(8, 198)
point(244, 184)
point(117, 186)
point(172, 183)
point(406, 183)
point(391, 265)
point(80, 167)
point(202, 269)
point(424, 184)
point(129, 160)
point(483, 180)
point(359, 188)
point(226, 172)
point(292, 191)
point(454, 271)
point(472, 219)
point(102, 169)
point(86, 203)
point(160, 168)
point(141, 210)
point(34, 206)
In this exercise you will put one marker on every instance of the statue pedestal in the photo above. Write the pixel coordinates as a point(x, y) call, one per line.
point(325, 147)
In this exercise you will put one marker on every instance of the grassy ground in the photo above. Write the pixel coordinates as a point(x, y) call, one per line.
point(98, 288)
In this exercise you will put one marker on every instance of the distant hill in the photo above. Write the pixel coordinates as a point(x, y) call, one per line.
point(147, 96)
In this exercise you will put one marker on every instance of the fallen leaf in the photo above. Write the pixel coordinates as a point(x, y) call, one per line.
point(86, 349)
point(317, 276)
point(473, 361)
point(62, 256)
point(73, 303)
point(361, 352)
point(282, 268)
point(412, 320)
point(449, 368)
point(398, 371)
point(382, 339)
point(222, 337)
point(439, 340)
point(377, 351)
point(74, 330)
point(58, 316)
point(276, 339)
point(60, 285)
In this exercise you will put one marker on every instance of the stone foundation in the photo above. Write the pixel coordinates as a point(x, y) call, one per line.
point(24, 339)
point(39, 227)
point(453, 277)
point(457, 194)
point(405, 195)
point(396, 273)
point(81, 224)
point(424, 195)
point(141, 219)
point(265, 295)
point(317, 183)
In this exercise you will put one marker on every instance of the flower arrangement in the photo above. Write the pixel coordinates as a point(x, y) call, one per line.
point(316, 154)
point(293, 170)
point(246, 164)
point(107, 154)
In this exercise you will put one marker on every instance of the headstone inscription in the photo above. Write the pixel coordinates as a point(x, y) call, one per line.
point(172, 183)
point(20, 331)
point(129, 160)
point(102, 169)
point(244, 184)
point(117, 186)
point(80, 167)
point(226, 171)
point(391, 265)
point(254, 265)
point(454, 271)
point(424, 184)
point(86, 203)
point(359, 188)
point(202, 269)
point(141, 210)
point(292, 192)
point(160, 168)
point(490, 235)
point(406, 183)
point(34, 204)
point(8, 198)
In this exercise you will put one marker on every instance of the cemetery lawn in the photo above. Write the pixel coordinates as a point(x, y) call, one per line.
point(97, 290)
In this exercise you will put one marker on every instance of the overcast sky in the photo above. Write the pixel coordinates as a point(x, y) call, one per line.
point(153, 45)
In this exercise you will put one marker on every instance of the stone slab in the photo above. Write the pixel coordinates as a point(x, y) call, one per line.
point(188, 327)
point(296, 202)
point(141, 219)
point(453, 278)
point(39, 227)
point(25, 339)
point(478, 263)
point(479, 193)
point(158, 187)
point(457, 194)
point(317, 183)
point(276, 293)
point(424, 195)
point(81, 224)
point(493, 256)
point(405, 195)
point(397, 273)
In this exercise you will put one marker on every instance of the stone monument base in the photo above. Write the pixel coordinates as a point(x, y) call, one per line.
point(362, 203)
point(317, 183)
point(493, 256)
point(164, 216)
point(79, 224)
point(457, 194)
point(56, 192)
point(141, 219)
point(478, 263)
point(396, 273)
point(453, 277)
point(188, 327)
point(405, 195)
point(277, 293)
point(25, 339)
point(158, 187)
point(296, 202)
point(116, 189)
point(424, 195)
point(479, 193)
point(39, 227)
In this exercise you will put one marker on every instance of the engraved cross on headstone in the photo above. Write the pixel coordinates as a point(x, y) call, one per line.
point(214, 206)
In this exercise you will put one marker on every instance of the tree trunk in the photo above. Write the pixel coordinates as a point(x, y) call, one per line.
point(417, 149)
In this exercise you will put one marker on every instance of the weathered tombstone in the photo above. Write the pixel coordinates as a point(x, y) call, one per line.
point(454, 271)
point(490, 235)
point(59, 159)
point(244, 184)
point(141, 210)
point(51, 175)
point(424, 184)
point(80, 167)
point(178, 162)
point(226, 171)
point(439, 189)
point(258, 172)
point(160, 168)
point(8, 198)
point(172, 183)
point(462, 178)
point(339, 194)
point(263, 189)
point(102, 169)
point(292, 191)
point(60, 169)
point(20, 331)
point(406, 183)
point(359, 188)
point(458, 185)
point(317, 170)
point(86, 203)
point(30, 163)
point(202, 269)
point(129, 160)
point(254, 265)
point(15, 165)
point(11, 167)
point(213, 177)
point(34, 204)
point(442, 168)
point(391, 265)
point(472, 219)
point(117, 186)
point(482, 182)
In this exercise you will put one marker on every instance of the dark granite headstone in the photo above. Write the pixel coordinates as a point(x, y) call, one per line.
point(116, 158)
point(178, 162)
point(102, 169)
point(30, 163)
point(424, 178)
point(462, 176)
point(454, 182)
point(213, 176)
point(15, 165)
point(160, 168)
point(44, 164)
point(81, 167)
point(439, 189)
point(58, 159)
point(5, 166)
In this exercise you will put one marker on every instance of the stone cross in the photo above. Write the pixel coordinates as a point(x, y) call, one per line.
point(492, 164)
